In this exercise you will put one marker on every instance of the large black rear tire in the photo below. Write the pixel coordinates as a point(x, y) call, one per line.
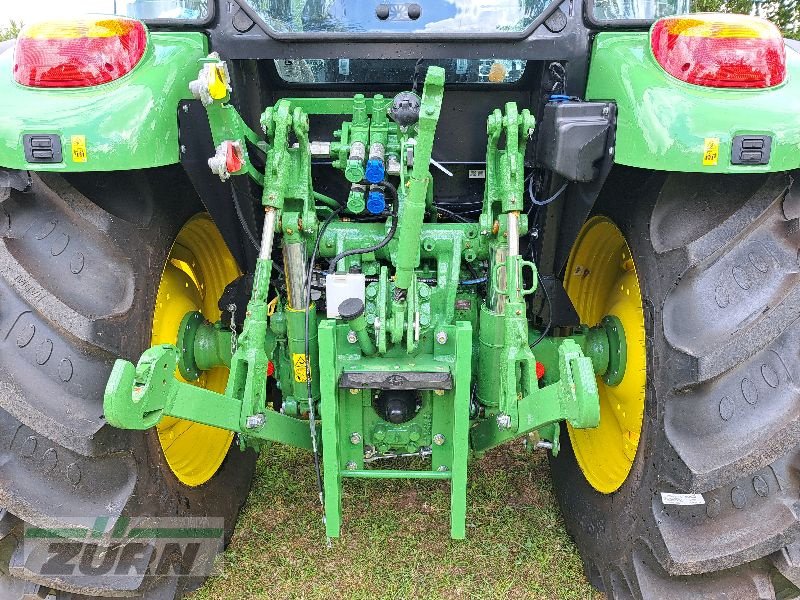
point(717, 262)
point(80, 263)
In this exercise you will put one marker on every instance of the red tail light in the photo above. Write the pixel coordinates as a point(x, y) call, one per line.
point(78, 53)
point(720, 50)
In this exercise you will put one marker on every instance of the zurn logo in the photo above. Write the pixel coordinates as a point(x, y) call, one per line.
point(125, 547)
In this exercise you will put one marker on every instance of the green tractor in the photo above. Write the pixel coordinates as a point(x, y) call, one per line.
point(398, 235)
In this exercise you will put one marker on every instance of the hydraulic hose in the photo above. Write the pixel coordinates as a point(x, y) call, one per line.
point(383, 242)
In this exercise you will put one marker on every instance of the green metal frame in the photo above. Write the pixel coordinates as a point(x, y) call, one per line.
point(409, 326)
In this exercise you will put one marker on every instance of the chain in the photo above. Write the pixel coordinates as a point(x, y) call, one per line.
point(234, 340)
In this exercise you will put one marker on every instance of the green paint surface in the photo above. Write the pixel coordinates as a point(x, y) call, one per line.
point(131, 123)
point(663, 123)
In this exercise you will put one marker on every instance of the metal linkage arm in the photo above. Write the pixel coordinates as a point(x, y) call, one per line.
point(574, 398)
point(158, 393)
point(412, 213)
point(228, 130)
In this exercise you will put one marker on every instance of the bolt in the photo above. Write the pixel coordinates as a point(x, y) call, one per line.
point(503, 421)
point(351, 466)
point(442, 468)
point(439, 392)
point(441, 337)
point(185, 108)
point(354, 391)
point(438, 439)
point(183, 149)
point(352, 337)
point(355, 438)
point(255, 421)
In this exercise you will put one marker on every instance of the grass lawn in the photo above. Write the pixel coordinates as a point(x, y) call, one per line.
point(395, 540)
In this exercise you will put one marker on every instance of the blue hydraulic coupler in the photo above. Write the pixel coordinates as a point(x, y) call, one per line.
point(376, 202)
point(375, 170)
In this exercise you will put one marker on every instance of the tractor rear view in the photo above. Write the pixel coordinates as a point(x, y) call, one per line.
point(398, 235)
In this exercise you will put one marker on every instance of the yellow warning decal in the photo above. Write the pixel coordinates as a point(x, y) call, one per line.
point(79, 148)
point(299, 365)
point(711, 152)
point(216, 87)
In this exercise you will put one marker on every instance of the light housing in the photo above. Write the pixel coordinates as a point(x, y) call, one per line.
point(78, 52)
point(720, 50)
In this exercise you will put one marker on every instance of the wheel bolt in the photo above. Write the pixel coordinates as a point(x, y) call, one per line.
point(355, 438)
point(438, 439)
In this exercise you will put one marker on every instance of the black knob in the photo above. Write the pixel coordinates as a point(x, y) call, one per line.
point(405, 109)
point(382, 11)
point(351, 308)
point(414, 11)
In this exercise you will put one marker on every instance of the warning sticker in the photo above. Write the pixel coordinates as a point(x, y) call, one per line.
point(79, 148)
point(682, 499)
point(710, 152)
point(299, 366)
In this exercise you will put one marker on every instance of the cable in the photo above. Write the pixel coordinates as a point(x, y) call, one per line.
point(549, 311)
point(242, 220)
point(417, 73)
point(536, 202)
point(311, 416)
point(474, 281)
point(383, 242)
point(459, 203)
point(451, 214)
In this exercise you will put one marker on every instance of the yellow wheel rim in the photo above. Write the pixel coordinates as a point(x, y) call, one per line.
point(601, 280)
point(195, 274)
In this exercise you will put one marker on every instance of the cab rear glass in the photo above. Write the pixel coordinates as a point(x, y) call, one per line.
point(374, 71)
point(421, 17)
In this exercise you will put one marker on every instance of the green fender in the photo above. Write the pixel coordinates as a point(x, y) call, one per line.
point(130, 123)
point(664, 123)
